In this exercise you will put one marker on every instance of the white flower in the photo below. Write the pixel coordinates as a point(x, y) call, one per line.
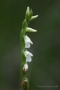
point(28, 56)
point(34, 17)
point(27, 41)
point(25, 67)
point(30, 30)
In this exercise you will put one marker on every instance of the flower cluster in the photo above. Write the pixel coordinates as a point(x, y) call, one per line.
point(26, 41)
point(27, 54)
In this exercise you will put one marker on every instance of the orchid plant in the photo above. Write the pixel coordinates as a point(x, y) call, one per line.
point(26, 42)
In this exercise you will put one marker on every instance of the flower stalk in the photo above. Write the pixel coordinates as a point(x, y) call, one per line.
point(26, 42)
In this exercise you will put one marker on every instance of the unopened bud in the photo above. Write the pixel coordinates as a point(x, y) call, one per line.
point(30, 30)
point(34, 17)
point(24, 82)
point(27, 11)
point(25, 67)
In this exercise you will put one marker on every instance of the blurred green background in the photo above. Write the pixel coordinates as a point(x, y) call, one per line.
point(44, 70)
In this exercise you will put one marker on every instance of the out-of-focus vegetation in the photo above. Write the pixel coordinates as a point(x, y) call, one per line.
point(45, 67)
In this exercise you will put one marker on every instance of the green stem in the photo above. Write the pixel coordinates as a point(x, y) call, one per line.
point(23, 58)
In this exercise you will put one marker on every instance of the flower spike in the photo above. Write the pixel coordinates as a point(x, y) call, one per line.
point(26, 42)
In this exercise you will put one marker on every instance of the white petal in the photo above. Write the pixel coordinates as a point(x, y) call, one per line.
point(30, 30)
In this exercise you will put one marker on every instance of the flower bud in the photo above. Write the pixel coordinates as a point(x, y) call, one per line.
point(25, 67)
point(30, 30)
point(27, 11)
point(34, 17)
point(24, 83)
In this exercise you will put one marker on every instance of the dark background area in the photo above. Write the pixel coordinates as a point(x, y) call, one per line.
point(44, 70)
